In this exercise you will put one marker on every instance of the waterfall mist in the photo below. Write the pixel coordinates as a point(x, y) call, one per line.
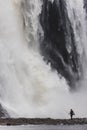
point(29, 87)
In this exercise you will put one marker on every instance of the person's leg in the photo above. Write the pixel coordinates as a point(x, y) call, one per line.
point(71, 116)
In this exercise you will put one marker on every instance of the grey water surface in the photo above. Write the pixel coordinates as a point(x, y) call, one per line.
point(45, 127)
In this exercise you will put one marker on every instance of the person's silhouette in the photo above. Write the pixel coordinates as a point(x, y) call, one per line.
point(71, 114)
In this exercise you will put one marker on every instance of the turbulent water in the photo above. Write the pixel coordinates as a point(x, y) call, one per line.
point(29, 87)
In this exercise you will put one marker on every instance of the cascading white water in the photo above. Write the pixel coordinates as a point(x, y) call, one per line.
point(26, 82)
point(77, 16)
point(30, 12)
point(28, 87)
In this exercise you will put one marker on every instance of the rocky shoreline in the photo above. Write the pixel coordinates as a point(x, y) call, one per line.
point(44, 121)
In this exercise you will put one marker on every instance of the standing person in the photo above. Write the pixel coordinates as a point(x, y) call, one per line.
point(71, 113)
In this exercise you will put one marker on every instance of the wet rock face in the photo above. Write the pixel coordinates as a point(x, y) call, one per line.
point(3, 112)
point(58, 45)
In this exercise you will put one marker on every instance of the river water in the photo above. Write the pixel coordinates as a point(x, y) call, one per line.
point(45, 127)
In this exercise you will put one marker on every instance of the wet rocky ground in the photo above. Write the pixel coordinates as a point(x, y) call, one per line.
point(39, 121)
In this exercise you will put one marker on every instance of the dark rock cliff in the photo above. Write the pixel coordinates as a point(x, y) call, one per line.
point(58, 46)
point(3, 112)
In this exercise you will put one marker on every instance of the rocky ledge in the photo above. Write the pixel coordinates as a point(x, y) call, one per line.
point(39, 121)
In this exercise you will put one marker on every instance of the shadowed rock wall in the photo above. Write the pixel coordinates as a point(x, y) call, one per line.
point(58, 45)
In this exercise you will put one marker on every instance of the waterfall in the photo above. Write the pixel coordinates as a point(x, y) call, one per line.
point(29, 87)
point(30, 12)
point(25, 79)
point(77, 16)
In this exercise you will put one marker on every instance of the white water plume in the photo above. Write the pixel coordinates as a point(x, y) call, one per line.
point(29, 87)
